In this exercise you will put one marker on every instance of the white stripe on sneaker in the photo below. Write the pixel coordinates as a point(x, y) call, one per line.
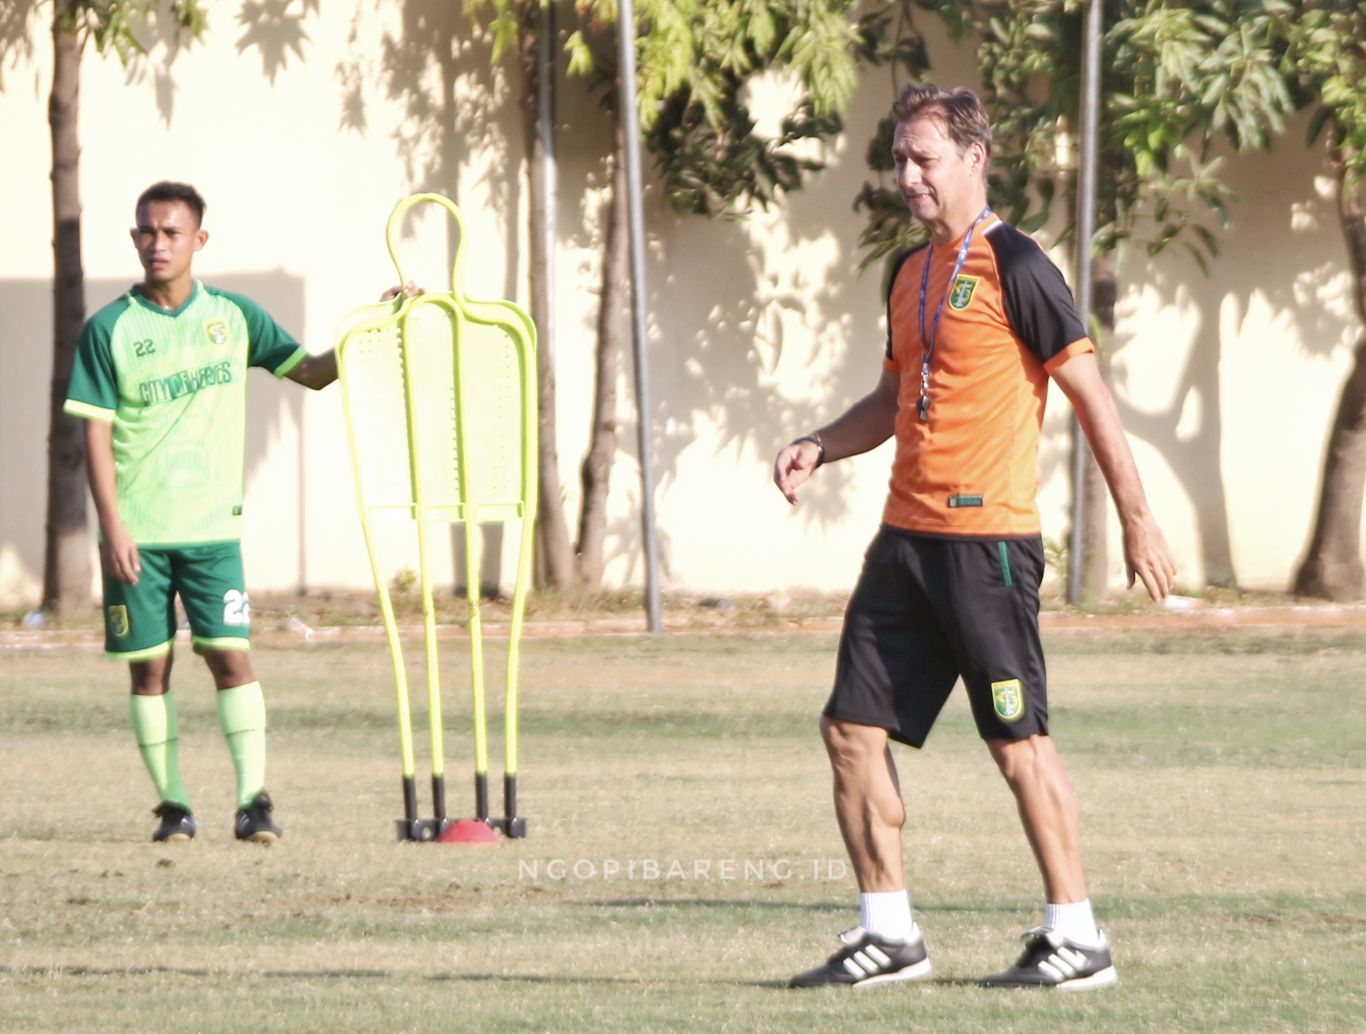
point(878, 955)
point(1076, 958)
point(1064, 963)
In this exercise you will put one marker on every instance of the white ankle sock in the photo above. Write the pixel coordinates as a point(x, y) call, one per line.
point(1075, 921)
point(888, 915)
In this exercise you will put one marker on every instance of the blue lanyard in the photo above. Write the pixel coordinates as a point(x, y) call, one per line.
point(928, 341)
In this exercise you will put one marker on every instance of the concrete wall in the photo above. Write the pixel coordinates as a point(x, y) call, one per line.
point(302, 135)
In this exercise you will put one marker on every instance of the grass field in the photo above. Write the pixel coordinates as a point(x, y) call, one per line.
point(683, 859)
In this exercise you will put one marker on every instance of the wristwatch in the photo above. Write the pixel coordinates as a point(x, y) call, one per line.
point(815, 440)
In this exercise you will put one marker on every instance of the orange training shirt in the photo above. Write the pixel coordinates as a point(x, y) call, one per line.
point(971, 468)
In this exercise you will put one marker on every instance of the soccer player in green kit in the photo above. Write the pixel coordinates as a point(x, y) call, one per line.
point(160, 379)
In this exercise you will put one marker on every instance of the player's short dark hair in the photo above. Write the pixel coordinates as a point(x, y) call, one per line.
point(168, 190)
point(958, 110)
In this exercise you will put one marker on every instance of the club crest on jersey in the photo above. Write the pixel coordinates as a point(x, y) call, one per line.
point(217, 331)
point(961, 295)
point(1007, 699)
point(118, 621)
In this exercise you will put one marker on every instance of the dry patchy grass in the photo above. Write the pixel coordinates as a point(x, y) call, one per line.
point(682, 859)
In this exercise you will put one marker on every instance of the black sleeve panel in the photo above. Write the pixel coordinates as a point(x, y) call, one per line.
point(1037, 300)
point(891, 282)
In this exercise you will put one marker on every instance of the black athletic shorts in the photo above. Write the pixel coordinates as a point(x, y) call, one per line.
point(928, 610)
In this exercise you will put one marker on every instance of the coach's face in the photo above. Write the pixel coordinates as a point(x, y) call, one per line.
point(942, 184)
point(166, 237)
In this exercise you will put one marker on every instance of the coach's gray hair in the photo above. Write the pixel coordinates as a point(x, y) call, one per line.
point(958, 111)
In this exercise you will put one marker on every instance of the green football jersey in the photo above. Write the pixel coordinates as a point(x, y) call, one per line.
point(174, 386)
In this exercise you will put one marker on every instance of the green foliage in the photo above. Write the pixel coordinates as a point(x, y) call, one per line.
point(404, 582)
point(711, 171)
point(696, 62)
point(117, 25)
point(16, 41)
point(1325, 60)
point(888, 37)
point(1176, 78)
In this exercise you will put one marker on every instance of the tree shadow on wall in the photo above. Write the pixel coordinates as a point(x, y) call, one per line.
point(17, 34)
point(437, 65)
point(275, 29)
point(722, 366)
point(731, 331)
point(718, 368)
point(1294, 263)
point(1187, 430)
point(24, 22)
point(787, 333)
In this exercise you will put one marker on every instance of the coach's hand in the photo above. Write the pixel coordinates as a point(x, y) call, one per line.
point(794, 466)
point(119, 554)
point(1147, 557)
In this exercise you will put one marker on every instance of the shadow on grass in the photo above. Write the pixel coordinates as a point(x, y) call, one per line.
point(48, 972)
point(726, 903)
point(846, 905)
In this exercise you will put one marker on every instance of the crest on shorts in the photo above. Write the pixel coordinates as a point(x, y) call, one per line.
point(217, 331)
point(118, 621)
point(1007, 700)
point(961, 294)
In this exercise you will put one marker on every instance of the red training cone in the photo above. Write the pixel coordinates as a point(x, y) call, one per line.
point(469, 831)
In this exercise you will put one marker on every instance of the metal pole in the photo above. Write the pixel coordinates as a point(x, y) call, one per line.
point(626, 45)
point(1086, 228)
point(545, 103)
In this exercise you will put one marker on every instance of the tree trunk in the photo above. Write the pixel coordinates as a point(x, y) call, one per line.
point(1095, 525)
point(554, 556)
point(616, 279)
point(1332, 568)
point(66, 565)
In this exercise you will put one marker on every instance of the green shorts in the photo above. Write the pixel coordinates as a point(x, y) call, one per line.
point(140, 620)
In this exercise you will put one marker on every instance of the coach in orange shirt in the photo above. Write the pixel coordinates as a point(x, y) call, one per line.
point(978, 319)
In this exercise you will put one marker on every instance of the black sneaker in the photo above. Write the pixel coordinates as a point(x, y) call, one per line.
point(1051, 961)
point(177, 824)
point(253, 821)
point(867, 959)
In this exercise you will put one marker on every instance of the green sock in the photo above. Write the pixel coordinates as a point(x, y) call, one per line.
point(158, 736)
point(242, 717)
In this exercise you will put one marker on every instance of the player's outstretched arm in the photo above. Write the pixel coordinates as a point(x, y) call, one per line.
point(315, 371)
point(865, 425)
point(318, 371)
point(118, 551)
point(1146, 556)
